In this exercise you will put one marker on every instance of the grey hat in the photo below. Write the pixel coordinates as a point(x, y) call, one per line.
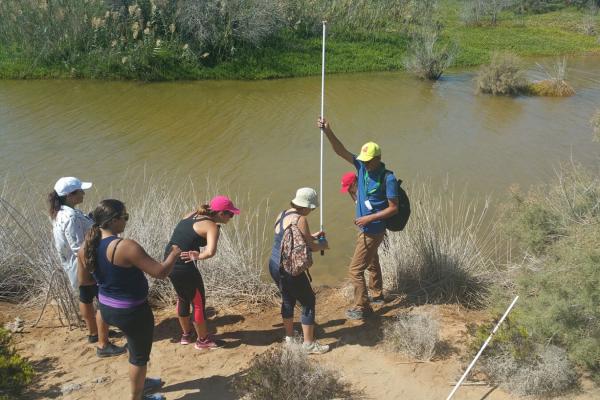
point(307, 198)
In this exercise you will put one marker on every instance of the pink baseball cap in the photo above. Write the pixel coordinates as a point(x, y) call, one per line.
point(223, 203)
point(347, 180)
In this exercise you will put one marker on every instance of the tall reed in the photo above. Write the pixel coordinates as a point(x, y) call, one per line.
point(445, 254)
point(28, 259)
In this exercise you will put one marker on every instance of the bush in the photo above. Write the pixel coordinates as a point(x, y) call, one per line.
point(222, 27)
point(28, 259)
point(549, 373)
point(561, 281)
point(503, 76)
point(414, 334)
point(444, 253)
point(514, 361)
point(15, 372)
point(555, 85)
point(287, 373)
point(427, 58)
point(343, 16)
point(542, 216)
point(476, 12)
point(139, 40)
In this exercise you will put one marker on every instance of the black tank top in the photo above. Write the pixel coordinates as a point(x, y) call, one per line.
point(186, 237)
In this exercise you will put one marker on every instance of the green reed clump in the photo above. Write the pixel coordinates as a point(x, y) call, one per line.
point(504, 76)
point(286, 372)
point(444, 255)
point(555, 85)
point(15, 372)
point(89, 38)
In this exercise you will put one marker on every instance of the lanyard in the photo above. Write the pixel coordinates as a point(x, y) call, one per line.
point(366, 180)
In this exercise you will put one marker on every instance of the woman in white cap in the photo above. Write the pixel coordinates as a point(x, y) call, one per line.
point(69, 226)
point(297, 288)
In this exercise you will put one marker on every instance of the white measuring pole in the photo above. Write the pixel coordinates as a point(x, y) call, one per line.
point(482, 348)
point(322, 116)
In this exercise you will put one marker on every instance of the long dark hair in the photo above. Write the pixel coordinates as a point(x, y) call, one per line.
point(54, 203)
point(103, 214)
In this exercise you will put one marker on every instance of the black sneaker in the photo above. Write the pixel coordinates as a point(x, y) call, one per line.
point(111, 334)
point(110, 350)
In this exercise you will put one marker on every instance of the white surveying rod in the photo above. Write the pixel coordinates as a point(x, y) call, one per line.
point(322, 116)
point(482, 348)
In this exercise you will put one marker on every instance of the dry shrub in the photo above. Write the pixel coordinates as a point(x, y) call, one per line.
point(555, 84)
point(445, 252)
point(347, 290)
point(414, 334)
point(503, 76)
point(28, 259)
point(595, 121)
point(224, 26)
point(549, 372)
point(286, 372)
point(427, 58)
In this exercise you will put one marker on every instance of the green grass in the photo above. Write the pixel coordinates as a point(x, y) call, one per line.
point(289, 54)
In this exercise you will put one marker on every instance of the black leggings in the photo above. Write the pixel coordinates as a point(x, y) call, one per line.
point(189, 286)
point(138, 325)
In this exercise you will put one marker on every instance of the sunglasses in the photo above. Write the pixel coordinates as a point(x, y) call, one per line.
point(125, 217)
point(228, 213)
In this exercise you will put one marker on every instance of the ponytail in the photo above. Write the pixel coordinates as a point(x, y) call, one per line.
point(54, 203)
point(91, 243)
point(102, 215)
point(204, 209)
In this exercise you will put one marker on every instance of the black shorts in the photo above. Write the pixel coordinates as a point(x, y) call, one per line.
point(138, 325)
point(87, 293)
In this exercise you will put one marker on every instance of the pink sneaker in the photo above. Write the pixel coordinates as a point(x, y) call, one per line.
point(186, 338)
point(208, 343)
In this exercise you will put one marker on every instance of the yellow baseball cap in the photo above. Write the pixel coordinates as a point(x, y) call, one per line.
point(369, 151)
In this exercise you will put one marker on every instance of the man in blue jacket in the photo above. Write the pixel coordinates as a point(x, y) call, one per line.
point(377, 200)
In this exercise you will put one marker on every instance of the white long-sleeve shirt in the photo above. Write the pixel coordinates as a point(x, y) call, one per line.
point(69, 229)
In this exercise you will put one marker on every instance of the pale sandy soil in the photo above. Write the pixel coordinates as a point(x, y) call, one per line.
point(62, 356)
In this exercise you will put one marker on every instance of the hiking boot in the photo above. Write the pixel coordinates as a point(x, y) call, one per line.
point(208, 343)
point(110, 350)
point(151, 384)
point(378, 301)
point(315, 348)
point(154, 396)
point(186, 339)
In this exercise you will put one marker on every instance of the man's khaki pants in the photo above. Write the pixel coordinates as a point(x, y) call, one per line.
point(366, 258)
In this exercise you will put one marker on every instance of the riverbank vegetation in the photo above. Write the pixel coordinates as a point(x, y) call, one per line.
point(554, 228)
point(166, 40)
point(15, 372)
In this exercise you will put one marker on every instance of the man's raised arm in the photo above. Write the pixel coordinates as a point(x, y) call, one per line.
point(337, 146)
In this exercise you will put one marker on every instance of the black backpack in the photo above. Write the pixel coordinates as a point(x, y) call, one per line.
point(398, 221)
